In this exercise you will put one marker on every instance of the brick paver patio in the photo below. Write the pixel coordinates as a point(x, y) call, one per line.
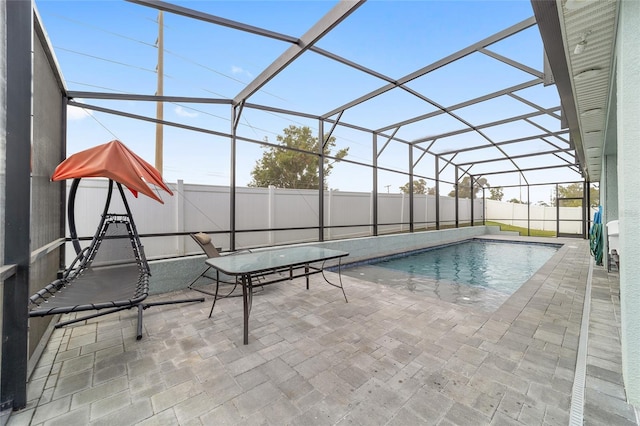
point(388, 357)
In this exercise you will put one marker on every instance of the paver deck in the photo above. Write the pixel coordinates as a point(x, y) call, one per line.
point(388, 357)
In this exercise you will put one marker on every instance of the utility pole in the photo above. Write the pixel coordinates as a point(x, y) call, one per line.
point(159, 92)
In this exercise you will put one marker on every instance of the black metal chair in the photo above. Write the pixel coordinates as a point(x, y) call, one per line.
point(205, 243)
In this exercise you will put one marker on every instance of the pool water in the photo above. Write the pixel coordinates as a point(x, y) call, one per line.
point(481, 273)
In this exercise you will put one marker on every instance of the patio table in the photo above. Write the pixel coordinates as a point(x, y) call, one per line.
point(297, 261)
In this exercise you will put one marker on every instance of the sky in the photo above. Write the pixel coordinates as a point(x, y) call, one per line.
point(110, 46)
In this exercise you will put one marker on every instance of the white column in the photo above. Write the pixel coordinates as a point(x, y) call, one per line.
point(628, 126)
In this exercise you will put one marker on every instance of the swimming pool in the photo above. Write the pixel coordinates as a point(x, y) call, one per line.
point(482, 273)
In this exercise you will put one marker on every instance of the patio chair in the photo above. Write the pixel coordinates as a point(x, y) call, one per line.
point(204, 241)
point(110, 275)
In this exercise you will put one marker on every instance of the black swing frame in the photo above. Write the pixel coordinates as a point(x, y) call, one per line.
point(81, 287)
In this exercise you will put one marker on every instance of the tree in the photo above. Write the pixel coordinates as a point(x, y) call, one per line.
point(496, 193)
point(419, 187)
point(290, 168)
point(516, 201)
point(464, 187)
point(575, 190)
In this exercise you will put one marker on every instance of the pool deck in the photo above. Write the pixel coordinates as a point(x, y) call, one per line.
point(388, 357)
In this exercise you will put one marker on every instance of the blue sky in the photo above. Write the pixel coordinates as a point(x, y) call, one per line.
point(109, 46)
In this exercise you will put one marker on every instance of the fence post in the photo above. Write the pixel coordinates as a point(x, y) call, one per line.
point(528, 210)
point(271, 212)
point(372, 219)
point(402, 213)
point(457, 198)
point(179, 218)
point(484, 206)
point(329, 209)
point(426, 211)
point(437, 169)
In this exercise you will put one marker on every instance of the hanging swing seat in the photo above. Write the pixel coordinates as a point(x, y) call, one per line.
point(109, 275)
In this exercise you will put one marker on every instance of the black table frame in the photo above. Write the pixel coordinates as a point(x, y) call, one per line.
point(296, 269)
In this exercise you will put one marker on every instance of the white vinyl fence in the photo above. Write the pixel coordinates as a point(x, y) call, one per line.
point(205, 208)
point(541, 217)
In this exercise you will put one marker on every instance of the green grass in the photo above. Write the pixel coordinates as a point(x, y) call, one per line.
point(522, 231)
point(503, 227)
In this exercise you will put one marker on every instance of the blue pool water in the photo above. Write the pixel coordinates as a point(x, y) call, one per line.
point(476, 272)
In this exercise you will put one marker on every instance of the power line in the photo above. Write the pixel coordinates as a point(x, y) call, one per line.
point(184, 58)
point(93, 27)
point(181, 57)
point(105, 59)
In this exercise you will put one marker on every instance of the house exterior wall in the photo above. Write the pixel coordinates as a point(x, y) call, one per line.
point(628, 129)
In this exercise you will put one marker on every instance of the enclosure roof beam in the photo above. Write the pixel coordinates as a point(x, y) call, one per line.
point(150, 98)
point(439, 64)
point(529, 155)
point(352, 64)
point(194, 14)
point(327, 136)
point(464, 104)
point(329, 21)
point(425, 151)
point(447, 162)
point(184, 126)
point(534, 105)
point(201, 16)
point(484, 126)
point(317, 117)
point(466, 172)
point(487, 138)
point(571, 147)
point(389, 139)
point(531, 169)
point(493, 145)
point(236, 116)
point(533, 123)
point(513, 63)
point(148, 119)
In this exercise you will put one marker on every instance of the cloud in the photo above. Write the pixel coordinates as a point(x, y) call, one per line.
point(239, 70)
point(77, 113)
point(184, 113)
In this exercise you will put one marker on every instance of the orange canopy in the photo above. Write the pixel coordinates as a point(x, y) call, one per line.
point(115, 161)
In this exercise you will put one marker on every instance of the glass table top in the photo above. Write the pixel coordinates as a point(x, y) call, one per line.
point(248, 263)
